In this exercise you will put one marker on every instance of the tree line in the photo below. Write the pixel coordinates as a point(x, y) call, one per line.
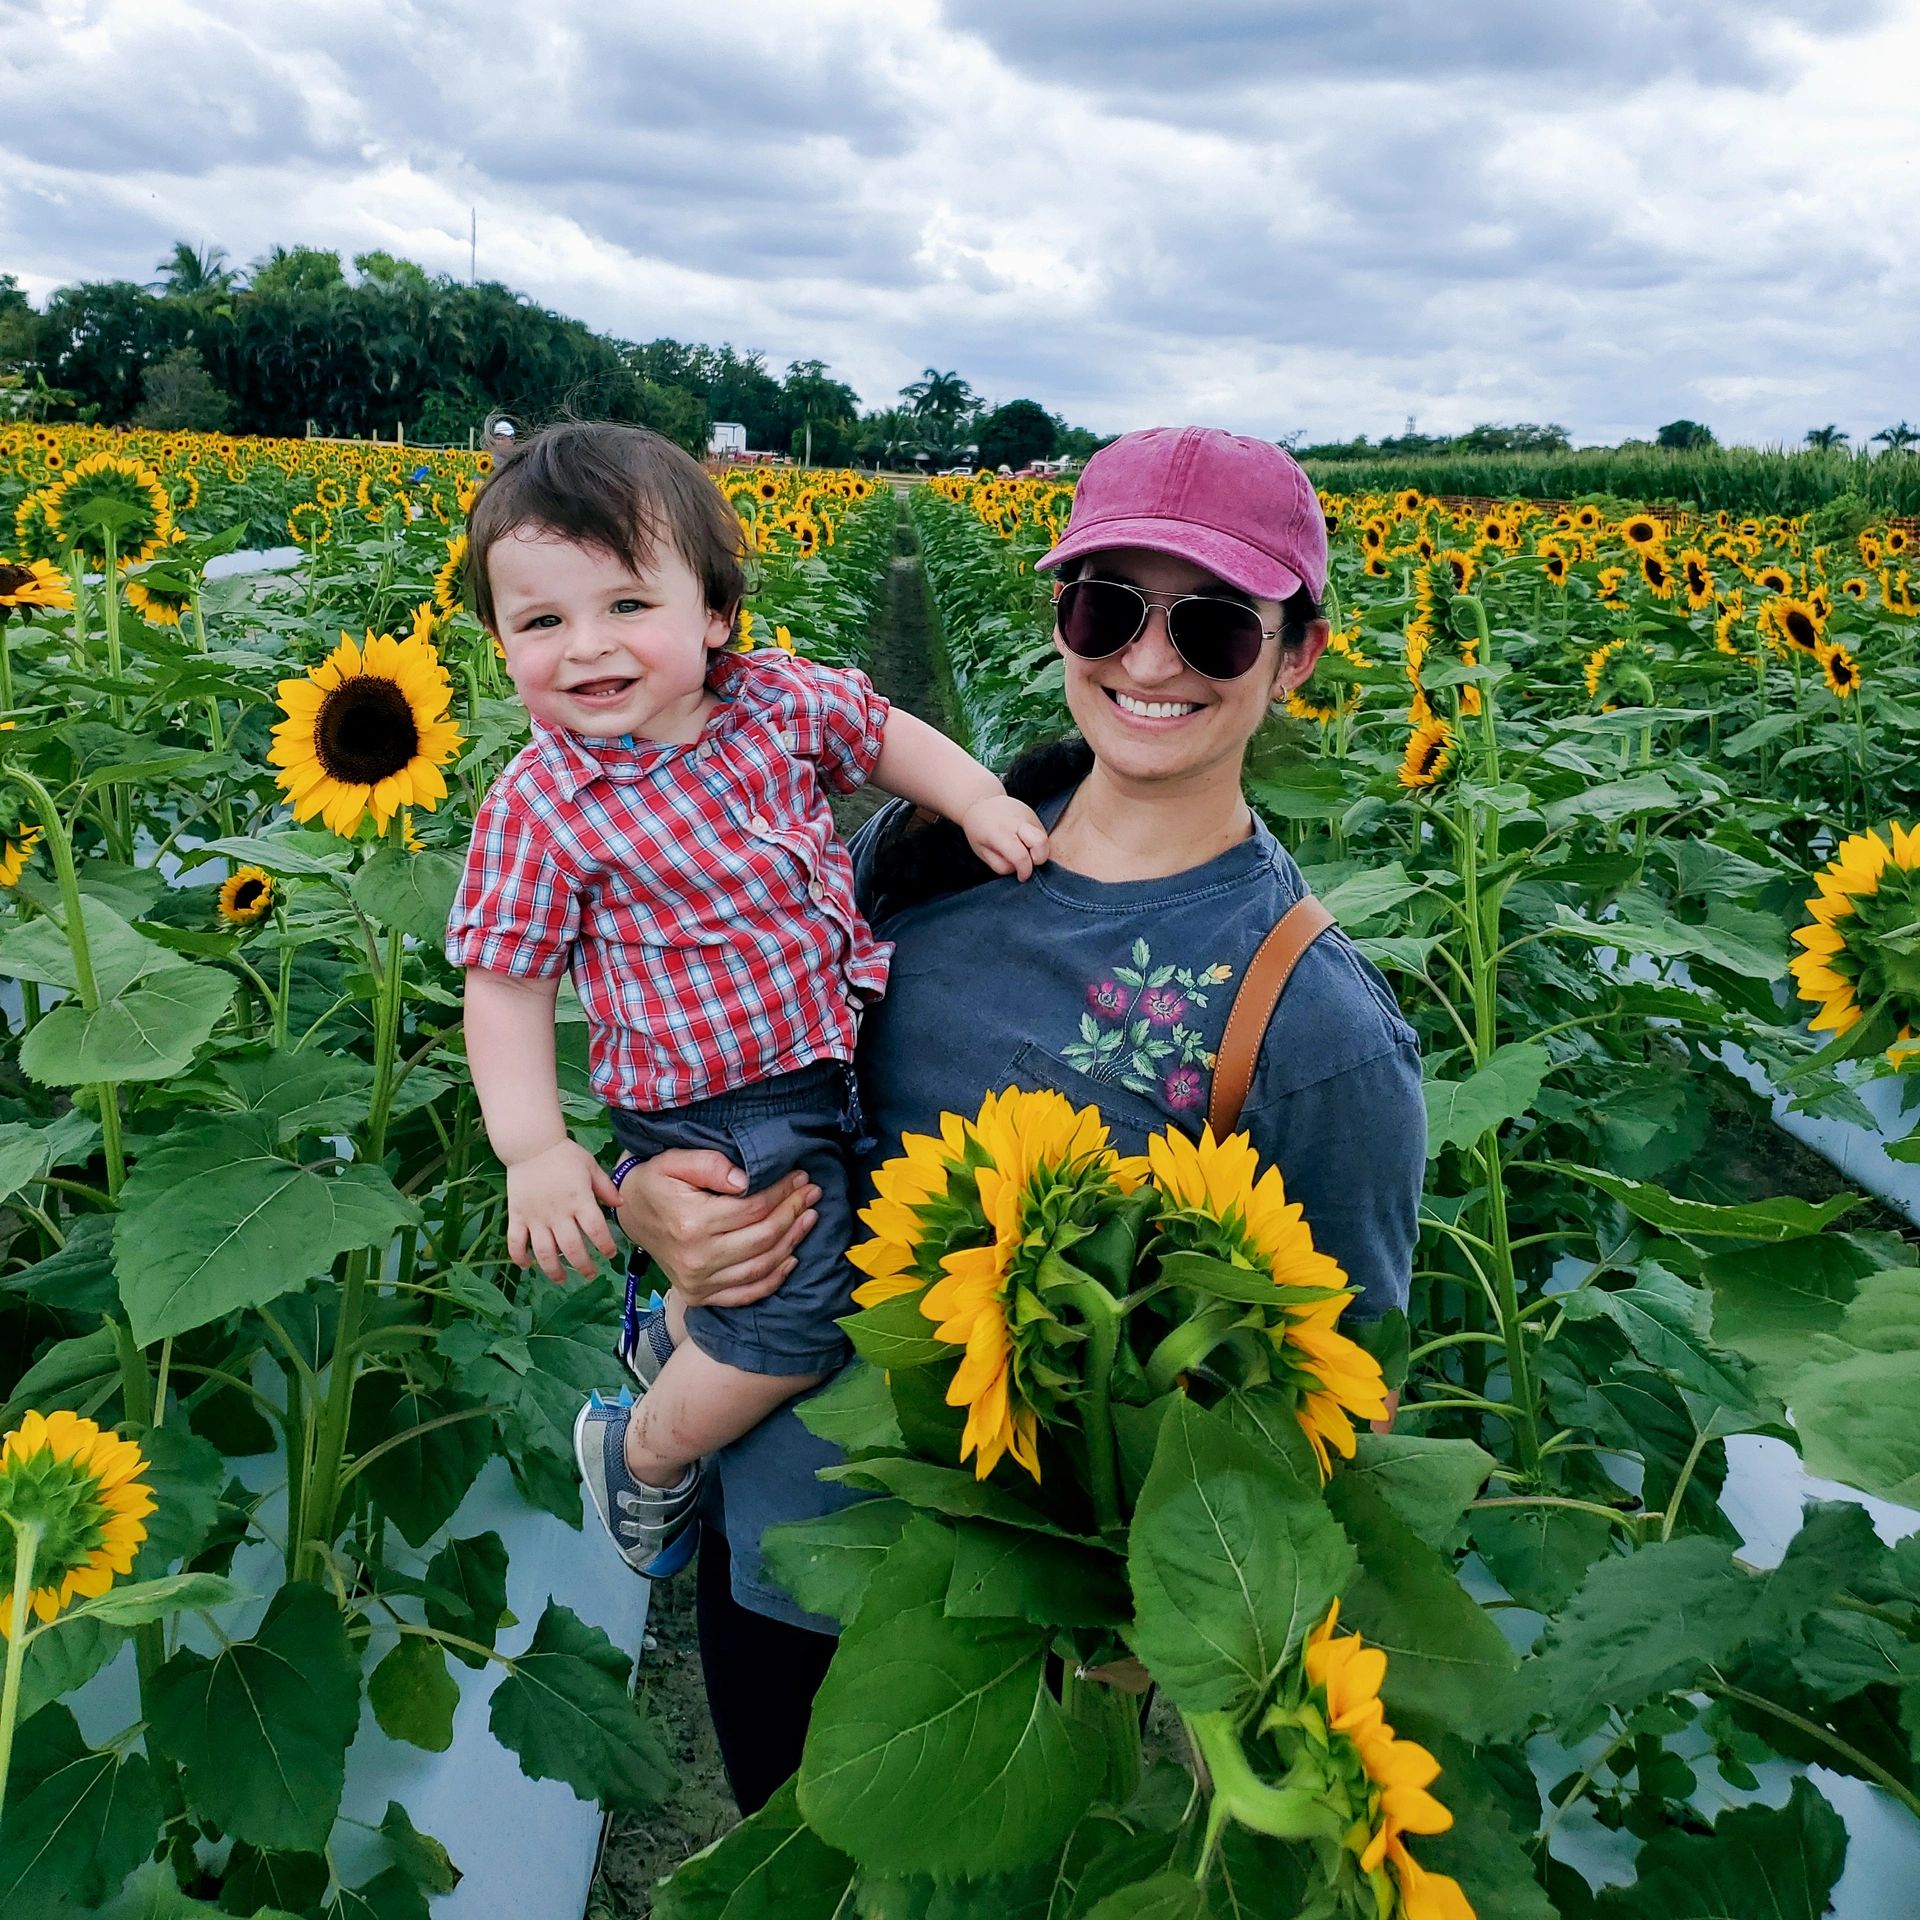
point(296, 340)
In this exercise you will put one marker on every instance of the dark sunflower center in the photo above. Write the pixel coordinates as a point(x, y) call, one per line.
point(1431, 757)
point(365, 732)
point(248, 895)
point(1800, 629)
point(13, 578)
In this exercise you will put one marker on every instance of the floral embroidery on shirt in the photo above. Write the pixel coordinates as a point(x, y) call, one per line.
point(1135, 1032)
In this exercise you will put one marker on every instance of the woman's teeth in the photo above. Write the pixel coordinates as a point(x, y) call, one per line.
point(1155, 709)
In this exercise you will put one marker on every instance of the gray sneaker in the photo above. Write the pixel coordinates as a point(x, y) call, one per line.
point(652, 1528)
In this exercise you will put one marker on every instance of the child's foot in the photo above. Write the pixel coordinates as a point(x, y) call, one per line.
point(645, 1345)
point(652, 1528)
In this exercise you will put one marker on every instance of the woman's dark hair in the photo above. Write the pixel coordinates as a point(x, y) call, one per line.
point(915, 859)
point(620, 489)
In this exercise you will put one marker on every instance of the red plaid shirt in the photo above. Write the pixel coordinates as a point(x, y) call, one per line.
point(697, 893)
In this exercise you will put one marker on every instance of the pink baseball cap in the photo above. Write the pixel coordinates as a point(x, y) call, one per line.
point(1244, 509)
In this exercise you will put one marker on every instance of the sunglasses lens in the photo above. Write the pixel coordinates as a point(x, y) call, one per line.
point(1218, 638)
point(1097, 617)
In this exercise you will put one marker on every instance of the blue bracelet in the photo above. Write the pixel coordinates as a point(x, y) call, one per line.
point(624, 1166)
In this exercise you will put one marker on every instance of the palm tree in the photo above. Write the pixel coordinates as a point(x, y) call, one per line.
point(1898, 437)
point(939, 396)
point(1825, 438)
point(191, 270)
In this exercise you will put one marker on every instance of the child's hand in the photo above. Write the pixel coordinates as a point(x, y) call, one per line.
point(554, 1198)
point(1006, 833)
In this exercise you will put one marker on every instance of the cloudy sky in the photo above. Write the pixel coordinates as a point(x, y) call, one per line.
point(1318, 216)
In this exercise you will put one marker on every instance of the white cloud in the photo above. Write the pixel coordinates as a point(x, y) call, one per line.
point(1313, 218)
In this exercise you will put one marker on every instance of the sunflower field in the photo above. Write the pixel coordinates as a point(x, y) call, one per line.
point(258, 1332)
point(1617, 799)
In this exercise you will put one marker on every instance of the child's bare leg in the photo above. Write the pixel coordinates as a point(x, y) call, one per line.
point(697, 1404)
point(676, 1309)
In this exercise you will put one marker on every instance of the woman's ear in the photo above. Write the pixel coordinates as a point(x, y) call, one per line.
point(1298, 662)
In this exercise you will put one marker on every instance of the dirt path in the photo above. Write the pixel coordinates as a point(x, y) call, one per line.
point(639, 1848)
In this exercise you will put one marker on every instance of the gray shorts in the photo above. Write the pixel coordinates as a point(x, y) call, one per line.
point(808, 1120)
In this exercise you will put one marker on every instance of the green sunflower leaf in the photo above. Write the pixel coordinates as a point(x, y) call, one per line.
point(1856, 1400)
point(78, 1821)
point(413, 1695)
point(1448, 1664)
point(1783, 1862)
point(260, 1731)
point(409, 892)
point(772, 1863)
point(214, 1218)
point(1460, 1111)
point(567, 1711)
point(1232, 1562)
point(919, 1710)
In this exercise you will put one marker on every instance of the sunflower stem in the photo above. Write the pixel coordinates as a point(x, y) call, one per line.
point(60, 845)
point(26, 1549)
point(1102, 1314)
point(216, 734)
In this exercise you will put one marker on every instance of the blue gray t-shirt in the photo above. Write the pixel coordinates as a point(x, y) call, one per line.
point(1116, 993)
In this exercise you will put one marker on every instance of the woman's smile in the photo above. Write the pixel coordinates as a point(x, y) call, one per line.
point(1153, 713)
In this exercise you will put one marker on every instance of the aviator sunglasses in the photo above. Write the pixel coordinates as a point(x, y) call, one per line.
point(1219, 639)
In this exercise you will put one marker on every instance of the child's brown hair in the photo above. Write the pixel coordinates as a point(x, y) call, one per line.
point(621, 489)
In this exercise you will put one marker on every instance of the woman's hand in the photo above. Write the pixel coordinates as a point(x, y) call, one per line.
point(718, 1245)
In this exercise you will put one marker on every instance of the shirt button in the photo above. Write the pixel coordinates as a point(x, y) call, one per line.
point(758, 824)
point(816, 892)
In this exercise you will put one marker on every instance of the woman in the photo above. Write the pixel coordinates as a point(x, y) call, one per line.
point(1192, 571)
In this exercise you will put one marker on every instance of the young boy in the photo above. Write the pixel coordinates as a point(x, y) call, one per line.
point(666, 838)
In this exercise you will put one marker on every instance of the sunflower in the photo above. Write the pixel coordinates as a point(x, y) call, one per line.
point(1322, 710)
point(1335, 1737)
point(32, 586)
point(450, 582)
point(1612, 579)
point(108, 496)
point(974, 1221)
point(310, 526)
point(16, 849)
point(78, 1484)
point(1696, 576)
point(1854, 587)
point(1429, 750)
point(1858, 954)
point(1775, 579)
point(1642, 530)
point(1588, 519)
point(1553, 562)
point(1216, 1206)
point(35, 537)
point(1899, 540)
point(1794, 623)
point(157, 606)
point(366, 731)
point(1869, 552)
point(1725, 622)
point(1896, 595)
point(1597, 665)
point(1837, 664)
point(246, 896)
point(330, 493)
point(1460, 565)
point(1657, 571)
point(1408, 500)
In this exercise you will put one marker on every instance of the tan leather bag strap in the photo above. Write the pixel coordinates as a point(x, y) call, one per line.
point(1261, 986)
